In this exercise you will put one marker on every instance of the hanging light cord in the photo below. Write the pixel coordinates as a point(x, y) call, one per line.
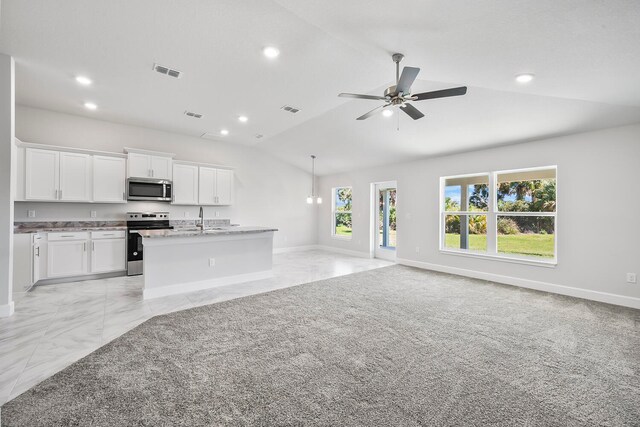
point(313, 175)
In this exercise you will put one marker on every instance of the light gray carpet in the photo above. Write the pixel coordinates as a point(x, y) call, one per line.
point(395, 346)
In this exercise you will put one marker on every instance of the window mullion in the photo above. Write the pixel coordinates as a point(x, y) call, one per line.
point(492, 218)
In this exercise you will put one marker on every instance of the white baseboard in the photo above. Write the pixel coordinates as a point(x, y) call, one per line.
point(182, 288)
point(344, 251)
point(6, 310)
point(294, 249)
point(608, 298)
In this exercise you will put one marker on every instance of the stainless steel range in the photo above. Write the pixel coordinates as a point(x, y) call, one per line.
point(141, 221)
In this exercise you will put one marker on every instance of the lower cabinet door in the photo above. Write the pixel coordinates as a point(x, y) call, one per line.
point(67, 258)
point(107, 255)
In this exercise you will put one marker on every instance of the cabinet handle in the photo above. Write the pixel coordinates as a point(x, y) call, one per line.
point(84, 247)
point(93, 246)
point(67, 235)
point(38, 251)
point(56, 195)
point(123, 196)
point(60, 194)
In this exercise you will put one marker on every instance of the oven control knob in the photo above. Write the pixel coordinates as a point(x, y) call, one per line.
point(135, 253)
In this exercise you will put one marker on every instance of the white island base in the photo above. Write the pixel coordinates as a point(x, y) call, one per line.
point(176, 262)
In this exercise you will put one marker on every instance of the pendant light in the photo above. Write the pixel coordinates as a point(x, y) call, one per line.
point(312, 197)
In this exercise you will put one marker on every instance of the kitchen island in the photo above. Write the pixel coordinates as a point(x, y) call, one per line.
point(179, 261)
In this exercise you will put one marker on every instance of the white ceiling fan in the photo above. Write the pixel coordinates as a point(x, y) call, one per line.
point(399, 94)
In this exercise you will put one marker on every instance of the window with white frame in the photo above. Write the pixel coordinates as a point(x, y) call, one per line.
point(507, 214)
point(341, 212)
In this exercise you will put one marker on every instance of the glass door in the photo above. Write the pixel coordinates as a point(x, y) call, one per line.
point(386, 228)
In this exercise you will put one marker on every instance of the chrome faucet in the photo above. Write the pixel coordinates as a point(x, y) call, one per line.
point(201, 224)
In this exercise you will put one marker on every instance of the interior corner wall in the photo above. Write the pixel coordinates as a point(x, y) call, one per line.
point(267, 191)
point(598, 227)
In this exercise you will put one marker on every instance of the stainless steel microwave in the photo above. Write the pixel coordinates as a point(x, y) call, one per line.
point(151, 189)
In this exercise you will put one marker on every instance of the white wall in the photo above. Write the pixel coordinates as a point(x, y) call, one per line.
point(268, 191)
point(598, 228)
point(7, 153)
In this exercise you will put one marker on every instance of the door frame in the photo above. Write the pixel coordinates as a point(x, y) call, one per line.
point(374, 252)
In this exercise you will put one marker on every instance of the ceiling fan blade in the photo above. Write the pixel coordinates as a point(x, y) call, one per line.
point(358, 96)
point(372, 112)
point(456, 91)
point(407, 78)
point(412, 111)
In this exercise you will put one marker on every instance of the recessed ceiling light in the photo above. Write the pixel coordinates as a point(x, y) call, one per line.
point(224, 132)
point(387, 113)
point(524, 78)
point(90, 106)
point(84, 81)
point(243, 119)
point(271, 52)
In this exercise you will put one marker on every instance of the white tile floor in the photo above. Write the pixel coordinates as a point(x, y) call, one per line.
point(55, 325)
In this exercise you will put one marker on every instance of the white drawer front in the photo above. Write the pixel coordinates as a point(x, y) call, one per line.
point(69, 235)
point(113, 234)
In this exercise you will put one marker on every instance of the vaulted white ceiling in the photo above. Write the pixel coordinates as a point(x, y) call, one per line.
point(585, 55)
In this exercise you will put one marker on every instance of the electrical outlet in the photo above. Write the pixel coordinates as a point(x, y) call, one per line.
point(212, 262)
point(217, 214)
point(417, 249)
point(31, 214)
point(94, 214)
point(187, 214)
point(632, 278)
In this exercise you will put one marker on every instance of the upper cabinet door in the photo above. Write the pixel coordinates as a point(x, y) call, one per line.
point(139, 165)
point(185, 184)
point(41, 174)
point(75, 177)
point(161, 167)
point(207, 190)
point(224, 187)
point(109, 179)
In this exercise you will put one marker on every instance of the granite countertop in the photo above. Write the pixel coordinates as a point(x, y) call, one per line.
point(215, 231)
point(69, 226)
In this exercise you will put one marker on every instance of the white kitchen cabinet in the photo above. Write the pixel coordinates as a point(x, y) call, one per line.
point(150, 166)
point(216, 186)
point(224, 186)
point(109, 182)
point(53, 175)
point(139, 165)
point(107, 255)
point(67, 258)
point(185, 184)
point(161, 167)
point(42, 174)
point(207, 190)
point(23, 262)
point(75, 177)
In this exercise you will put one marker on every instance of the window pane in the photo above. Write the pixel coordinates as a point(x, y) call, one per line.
point(473, 239)
point(469, 193)
point(530, 236)
point(343, 224)
point(527, 191)
point(343, 199)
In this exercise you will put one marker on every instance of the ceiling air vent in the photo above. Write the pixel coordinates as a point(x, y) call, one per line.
point(192, 114)
point(166, 70)
point(290, 109)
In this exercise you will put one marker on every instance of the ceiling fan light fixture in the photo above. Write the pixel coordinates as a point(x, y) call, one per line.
point(388, 112)
point(524, 77)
